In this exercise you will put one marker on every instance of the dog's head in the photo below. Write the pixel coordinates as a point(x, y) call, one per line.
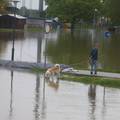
point(57, 65)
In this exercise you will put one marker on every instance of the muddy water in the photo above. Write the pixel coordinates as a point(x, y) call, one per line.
point(23, 97)
point(63, 47)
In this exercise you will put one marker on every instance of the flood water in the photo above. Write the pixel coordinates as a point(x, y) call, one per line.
point(23, 97)
point(63, 47)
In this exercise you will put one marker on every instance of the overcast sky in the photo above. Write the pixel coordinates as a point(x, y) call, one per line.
point(32, 4)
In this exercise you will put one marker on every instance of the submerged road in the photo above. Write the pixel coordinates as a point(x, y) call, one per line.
point(22, 65)
point(28, 65)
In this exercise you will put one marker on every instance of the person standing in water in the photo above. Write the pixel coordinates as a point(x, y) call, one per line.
point(93, 59)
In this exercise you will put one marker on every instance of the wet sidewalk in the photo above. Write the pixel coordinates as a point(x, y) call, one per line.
point(87, 73)
point(28, 65)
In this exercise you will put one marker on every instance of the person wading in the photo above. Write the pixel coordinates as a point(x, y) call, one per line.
point(93, 58)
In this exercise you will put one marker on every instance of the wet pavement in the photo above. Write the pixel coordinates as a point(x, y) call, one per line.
point(24, 97)
point(87, 73)
point(66, 69)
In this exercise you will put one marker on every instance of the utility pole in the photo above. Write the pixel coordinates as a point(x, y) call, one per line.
point(14, 29)
point(40, 5)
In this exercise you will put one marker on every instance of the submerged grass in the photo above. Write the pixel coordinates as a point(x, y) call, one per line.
point(103, 81)
point(106, 82)
point(35, 29)
point(38, 70)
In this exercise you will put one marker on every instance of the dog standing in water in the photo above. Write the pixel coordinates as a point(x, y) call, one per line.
point(52, 72)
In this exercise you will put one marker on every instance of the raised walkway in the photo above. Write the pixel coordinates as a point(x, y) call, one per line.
point(28, 65)
point(22, 64)
point(87, 73)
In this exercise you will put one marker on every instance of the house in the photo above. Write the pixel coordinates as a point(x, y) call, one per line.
point(12, 21)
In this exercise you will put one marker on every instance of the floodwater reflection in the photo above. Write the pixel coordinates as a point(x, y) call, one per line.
point(63, 47)
point(53, 83)
point(92, 100)
point(39, 108)
point(11, 98)
point(26, 96)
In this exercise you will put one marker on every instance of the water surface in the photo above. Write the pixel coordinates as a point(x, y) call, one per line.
point(23, 98)
point(63, 47)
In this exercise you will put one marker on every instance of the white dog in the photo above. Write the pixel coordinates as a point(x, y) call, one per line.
point(53, 71)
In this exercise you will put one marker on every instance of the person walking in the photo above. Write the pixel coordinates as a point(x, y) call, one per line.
point(93, 59)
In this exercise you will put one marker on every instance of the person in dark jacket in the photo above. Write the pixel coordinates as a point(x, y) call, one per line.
point(93, 59)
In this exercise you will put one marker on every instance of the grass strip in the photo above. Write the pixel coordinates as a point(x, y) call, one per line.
point(103, 81)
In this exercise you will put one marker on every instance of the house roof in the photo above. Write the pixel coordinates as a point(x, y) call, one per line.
point(17, 16)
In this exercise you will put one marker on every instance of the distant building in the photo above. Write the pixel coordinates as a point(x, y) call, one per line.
point(35, 22)
point(11, 21)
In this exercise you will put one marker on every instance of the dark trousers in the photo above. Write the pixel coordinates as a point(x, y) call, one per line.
point(93, 67)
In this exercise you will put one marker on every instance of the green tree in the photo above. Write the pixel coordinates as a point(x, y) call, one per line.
point(112, 9)
point(24, 11)
point(3, 5)
point(73, 10)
